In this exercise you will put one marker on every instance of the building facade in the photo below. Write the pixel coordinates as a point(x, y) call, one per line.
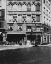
point(28, 20)
point(2, 20)
point(46, 20)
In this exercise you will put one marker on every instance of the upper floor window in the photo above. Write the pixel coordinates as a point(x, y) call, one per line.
point(29, 7)
point(38, 7)
point(19, 18)
point(24, 7)
point(9, 7)
point(44, 10)
point(33, 8)
point(15, 7)
point(10, 18)
point(28, 18)
point(19, 27)
point(37, 18)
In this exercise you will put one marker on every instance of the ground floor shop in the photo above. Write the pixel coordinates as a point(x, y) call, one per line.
point(24, 38)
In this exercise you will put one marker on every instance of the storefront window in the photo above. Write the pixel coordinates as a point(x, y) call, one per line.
point(15, 7)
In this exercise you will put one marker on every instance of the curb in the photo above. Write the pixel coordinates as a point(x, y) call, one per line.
point(9, 47)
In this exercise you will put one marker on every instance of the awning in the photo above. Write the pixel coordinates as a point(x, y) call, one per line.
point(16, 32)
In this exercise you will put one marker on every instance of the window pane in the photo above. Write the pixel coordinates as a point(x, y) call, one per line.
point(38, 18)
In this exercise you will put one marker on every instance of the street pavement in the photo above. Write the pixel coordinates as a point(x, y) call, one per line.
point(26, 55)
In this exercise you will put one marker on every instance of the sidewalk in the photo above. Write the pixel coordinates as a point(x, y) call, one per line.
point(7, 47)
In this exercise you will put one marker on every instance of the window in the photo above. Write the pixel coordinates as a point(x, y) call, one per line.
point(38, 7)
point(47, 12)
point(10, 7)
point(19, 18)
point(28, 19)
point(37, 18)
point(44, 10)
point(14, 18)
point(10, 18)
point(44, 19)
point(24, 7)
point(33, 18)
point(29, 6)
point(19, 7)
point(33, 7)
point(28, 28)
point(19, 27)
point(15, 7)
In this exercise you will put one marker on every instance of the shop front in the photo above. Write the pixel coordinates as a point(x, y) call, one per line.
point(32, 37)
point(15, 37)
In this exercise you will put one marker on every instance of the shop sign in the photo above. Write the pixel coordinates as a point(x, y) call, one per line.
point(14, 12)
